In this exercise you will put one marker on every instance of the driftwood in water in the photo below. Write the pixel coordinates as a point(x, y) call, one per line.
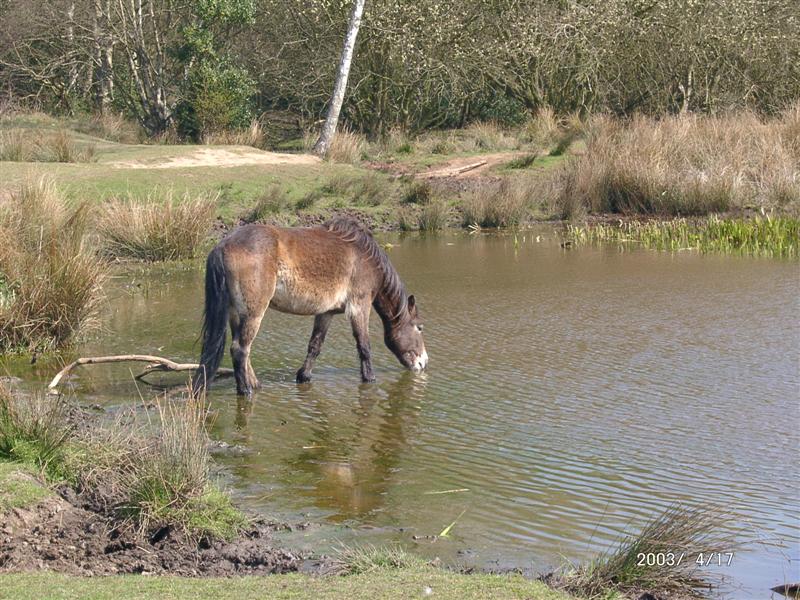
point(157, 363)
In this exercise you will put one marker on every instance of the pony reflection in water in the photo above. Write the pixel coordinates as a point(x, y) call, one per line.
point(321, 271)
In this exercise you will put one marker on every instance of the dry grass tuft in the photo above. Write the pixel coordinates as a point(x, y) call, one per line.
point(677, 536)
point(684, 165)
point(50, 277)
point(110, 126)
point(156, 230)
point(507, 205)
point(254, 135)
point(25, 146)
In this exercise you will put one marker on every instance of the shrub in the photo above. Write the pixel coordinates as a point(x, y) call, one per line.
point(371, 189)
point(217, 98)
point(51, 277)
point(155, 230)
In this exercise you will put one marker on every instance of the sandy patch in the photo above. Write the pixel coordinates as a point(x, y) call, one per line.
point(220, 157)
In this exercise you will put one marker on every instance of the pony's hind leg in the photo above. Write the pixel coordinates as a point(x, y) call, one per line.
point(248, 307)
point(244, 333)
point(321, 324)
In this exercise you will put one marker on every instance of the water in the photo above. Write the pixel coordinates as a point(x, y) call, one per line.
point(571, 394)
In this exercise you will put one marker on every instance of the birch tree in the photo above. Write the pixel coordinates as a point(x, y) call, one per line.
point(335, 107)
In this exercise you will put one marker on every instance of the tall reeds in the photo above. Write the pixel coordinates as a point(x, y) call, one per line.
point(684, 165)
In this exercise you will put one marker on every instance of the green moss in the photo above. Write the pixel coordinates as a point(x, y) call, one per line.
point(18, 487)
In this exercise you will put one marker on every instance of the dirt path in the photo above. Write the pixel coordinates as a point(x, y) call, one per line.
point(220, 157)
point(468, 166)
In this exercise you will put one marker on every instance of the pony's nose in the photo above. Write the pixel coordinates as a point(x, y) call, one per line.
point(421, 362)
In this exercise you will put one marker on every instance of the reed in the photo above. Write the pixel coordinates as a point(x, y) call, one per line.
point(761, 236)
point(684, 165)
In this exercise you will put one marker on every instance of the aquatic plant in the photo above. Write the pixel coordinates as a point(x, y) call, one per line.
point(762, 235)
point(433, 216)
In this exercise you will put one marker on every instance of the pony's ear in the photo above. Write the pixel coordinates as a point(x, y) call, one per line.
point(412, 305)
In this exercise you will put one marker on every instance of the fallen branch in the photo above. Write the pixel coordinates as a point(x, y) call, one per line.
point(157, 363)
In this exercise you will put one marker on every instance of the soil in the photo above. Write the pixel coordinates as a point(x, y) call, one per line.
point(62, 534)
point(220, 157)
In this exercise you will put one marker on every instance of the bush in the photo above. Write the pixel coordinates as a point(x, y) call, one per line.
point(50, 277)
point(155, 230)
point(419, 192)
point(217, 98)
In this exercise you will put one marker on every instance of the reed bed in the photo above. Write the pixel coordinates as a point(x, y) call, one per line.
point(684, 165)
point(154, 229)
point(760, 236)
point(50, 275)
point(506, 206)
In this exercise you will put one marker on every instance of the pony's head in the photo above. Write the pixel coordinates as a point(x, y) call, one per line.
point(404, 338)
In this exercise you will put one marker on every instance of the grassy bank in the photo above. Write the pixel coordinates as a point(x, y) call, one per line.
point(150, 472)
point(410, 582)
point(483, 176)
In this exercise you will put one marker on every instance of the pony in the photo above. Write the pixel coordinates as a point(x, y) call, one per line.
point(321, 271)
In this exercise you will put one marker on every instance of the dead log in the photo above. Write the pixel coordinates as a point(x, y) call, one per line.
point(157, 363)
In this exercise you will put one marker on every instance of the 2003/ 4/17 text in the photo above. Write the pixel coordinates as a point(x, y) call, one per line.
point(701, 559)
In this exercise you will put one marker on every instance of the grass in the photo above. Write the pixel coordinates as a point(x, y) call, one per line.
point(405, 583)
point(156, 230)
point(434, 216)
point(760, 236)
point(152, 473)
point(506, 206)
point(20, 145)
point(51, 275)
point(679, 532)
point(18, 487)
point(356, 560)
point(684, 165)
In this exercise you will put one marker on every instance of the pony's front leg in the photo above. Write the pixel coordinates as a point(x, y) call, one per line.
point(359, 320)
point(321, 324)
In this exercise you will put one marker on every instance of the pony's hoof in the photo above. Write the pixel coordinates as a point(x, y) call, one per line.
point(303, 377)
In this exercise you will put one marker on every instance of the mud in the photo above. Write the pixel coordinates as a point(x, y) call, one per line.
point(61, 534)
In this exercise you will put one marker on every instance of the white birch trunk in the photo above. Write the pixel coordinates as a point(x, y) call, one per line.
point(332, 118)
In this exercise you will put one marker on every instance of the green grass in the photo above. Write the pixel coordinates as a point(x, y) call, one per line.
point(412, 582)
point(18, 488)
point(760, 236)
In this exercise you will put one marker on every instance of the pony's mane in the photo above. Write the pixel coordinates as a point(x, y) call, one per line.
point(351, 231)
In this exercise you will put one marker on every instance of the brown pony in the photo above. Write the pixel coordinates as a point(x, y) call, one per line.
point(321, 271)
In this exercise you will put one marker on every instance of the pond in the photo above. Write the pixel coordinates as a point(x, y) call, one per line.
point(572, 394)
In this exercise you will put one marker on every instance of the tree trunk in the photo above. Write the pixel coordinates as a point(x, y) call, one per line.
point(335, 107)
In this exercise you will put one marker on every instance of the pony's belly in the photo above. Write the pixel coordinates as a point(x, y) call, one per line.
point(297, 297)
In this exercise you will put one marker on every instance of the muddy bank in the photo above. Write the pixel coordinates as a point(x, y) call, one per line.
point(63, 534)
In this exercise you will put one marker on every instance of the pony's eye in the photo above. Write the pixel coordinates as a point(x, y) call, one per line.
point(419, 327)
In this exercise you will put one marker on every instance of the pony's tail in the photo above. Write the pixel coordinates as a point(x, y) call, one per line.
point(214, 321)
